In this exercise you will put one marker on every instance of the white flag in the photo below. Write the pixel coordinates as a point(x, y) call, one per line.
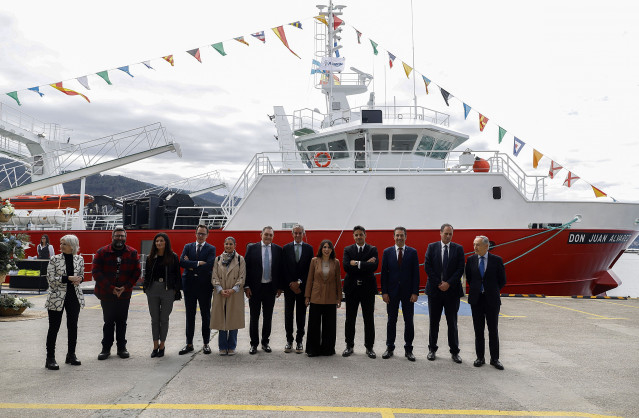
point(84, 81)
point(335, 64)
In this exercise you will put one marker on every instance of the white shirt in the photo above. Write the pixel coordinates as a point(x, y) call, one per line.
point(397, 251)
point(359, 263)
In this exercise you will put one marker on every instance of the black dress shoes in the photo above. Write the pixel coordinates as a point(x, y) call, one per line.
point(123, 353)
point(431, 356)
point(370, 353)
point(387, 354)
point(104, 354)
point(347, 352)
point(187, 349)
point(72, 360)
point(266, 348)
point(253, 349)
point(154, 353)
point(206, 349)
point(288, 347)
point(497, 364)
point(410, 356)
point(51, 364)
point(299, 348)
point(456, 358)
point(479, 362)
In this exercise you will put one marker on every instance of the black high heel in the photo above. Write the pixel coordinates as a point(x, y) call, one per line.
point(154, 353)
point(160, 352)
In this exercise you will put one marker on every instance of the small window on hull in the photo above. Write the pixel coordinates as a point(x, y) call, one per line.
point(390, 193)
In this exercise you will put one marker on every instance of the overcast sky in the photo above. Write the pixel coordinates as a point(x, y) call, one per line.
point(563, 76)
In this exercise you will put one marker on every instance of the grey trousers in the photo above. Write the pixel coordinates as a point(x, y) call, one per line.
point(160, 302)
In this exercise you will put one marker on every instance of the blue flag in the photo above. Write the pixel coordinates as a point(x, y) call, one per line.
point(517, 146)
point(466, 111)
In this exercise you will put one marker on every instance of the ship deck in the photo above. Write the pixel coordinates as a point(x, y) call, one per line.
point(562, 357)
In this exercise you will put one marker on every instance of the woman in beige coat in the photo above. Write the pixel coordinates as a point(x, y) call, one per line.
point(324, 294)
point(227, 310)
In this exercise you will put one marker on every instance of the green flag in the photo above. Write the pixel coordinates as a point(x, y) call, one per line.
point(219, 47)
point(105, 75)
point(374, 47)
point(502, 132)
point(14, 96)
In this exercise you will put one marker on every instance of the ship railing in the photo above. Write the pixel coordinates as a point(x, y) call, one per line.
point(102, 222)
point(190, 217)
point(259, 165)
point(11, 118)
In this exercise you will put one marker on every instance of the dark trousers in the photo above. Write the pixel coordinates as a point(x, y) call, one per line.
point(450, 305)
point(263, 299)
point(293, 302)
point(408, 311)
point(115, 313)
point(72, 306)
point(486, 314)
point(198, 291)
point(353, 300)
point(322, 329)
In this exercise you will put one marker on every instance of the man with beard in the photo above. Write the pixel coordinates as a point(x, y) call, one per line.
point(116, 269)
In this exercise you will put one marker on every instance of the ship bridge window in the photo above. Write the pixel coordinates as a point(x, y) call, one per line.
point(380, 143)
point(429, 146)
point(441, 145)
point(336, 146)
point(317, 147)
point(403, 142)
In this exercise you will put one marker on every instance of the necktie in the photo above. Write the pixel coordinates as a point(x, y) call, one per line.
point(266, 266)
point(445, 263)
point(400, 257)
point(298, 250)
point(482, 270)
point(360, 250)
point(197, 252)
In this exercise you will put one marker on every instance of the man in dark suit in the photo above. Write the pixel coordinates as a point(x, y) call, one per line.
point(486, 277)
point(444, 265)
point(360, 262)
point(262, 286)
point(296, 258)
point(197, 261)
point(400, 283)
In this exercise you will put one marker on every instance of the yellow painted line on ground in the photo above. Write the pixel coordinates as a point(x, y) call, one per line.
point(618, 303)
point(575, 310)
point(385, 412)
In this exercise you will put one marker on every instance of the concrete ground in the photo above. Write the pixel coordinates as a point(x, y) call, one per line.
point(562, 357)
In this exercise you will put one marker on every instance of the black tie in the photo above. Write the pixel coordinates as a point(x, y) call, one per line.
point(197, 253)
point(360, 250)
point(400, 257)
point(445, 257)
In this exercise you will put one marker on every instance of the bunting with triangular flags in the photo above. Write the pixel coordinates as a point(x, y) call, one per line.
point(466, 110)
point(241, 40)
point(359, 36)
point(426, 83)
point(195, 53)
point(279, 31)
point(37, 90)
point(483, 120)
point(148, 65)
point(322, 19)
point(219, 47)
point(297, 24)
point(518, 144)
point(105, 76)
point(14, 96)
point(169, 59)
point(391, 58)
point(502, 132)
point(554, 169)
point(84, 81)
point(536, 157)
point(125, 69)
point(68, 92)
point(407, 69)
point(570, 179)
point(445, 95)
point(259, 35)
point(374, 44)
point(598, 193)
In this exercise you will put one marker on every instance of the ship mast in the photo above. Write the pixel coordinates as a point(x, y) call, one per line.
point(331, 45)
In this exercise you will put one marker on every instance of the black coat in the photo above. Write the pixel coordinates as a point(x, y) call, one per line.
point(296, 270)
point(433, 267)
point(365, 272)
point(494, 279)
point(253, 260)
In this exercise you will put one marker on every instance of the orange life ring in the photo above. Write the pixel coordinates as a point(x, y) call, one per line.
point(326, 156)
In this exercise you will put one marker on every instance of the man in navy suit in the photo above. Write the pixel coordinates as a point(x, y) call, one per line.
point(486, 277)
point(444, 265)
point(263, 284)
point(197, 261)
point(400, 283)
point(297, 257)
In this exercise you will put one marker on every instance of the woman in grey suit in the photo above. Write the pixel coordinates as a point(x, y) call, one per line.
point(65, 272)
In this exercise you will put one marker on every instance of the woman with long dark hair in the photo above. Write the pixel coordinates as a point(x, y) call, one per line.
point(162, 285)
point(45, 249)
point(324, 295)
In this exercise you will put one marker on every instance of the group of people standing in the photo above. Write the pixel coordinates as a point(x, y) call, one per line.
point(307, 280)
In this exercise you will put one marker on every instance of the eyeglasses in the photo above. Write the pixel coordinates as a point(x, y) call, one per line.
point(201, 234)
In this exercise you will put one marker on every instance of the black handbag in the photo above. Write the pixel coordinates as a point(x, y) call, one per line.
point(178, 294)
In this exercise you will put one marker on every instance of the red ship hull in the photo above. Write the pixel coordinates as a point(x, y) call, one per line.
point(557, 267)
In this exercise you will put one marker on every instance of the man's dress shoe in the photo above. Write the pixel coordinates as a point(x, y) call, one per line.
point(387, 354)
point(410, 356)
point(123, 353)
point(266, 348)
point(370, 353)
point(187, 349)
point(72, 360)
point(479, 362)
point(51, 364)
point(431, 355)
point(206, 349)
point(456, 358)
point(253, 349)
point(497, 364)
point(104, 355)
point(347, 352)
point(288, 347)
point(299, 348)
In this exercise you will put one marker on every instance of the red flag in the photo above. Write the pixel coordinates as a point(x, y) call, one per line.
point(336, 22)
point(169, 59)
point(68, 92)
point(554, 169)
point(279, 31)
point(598, 193)
point(483, 120)
point(195, 53)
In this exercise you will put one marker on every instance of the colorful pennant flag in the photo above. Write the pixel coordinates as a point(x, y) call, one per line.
point(37, 90)
point(426, 83)
point(570, 179)
point(518, 144)
point(105, 76)
point(445, 95)
point(322, 19)
point(554, 169)
point(125, 69)
point(502, 132)
point(14, 96)
point(219, 47)
point(148, 65)
point(279, 31)
point(260, 36)
point(241, 40)
point(374, 44)
point(296, 24)
point(169, 59)
point(84, 81)
point(391, 58)
point(407, 69)
point(466, 111)
point(336, 22)
point(536, 157)
point(68, 92)
point(598, 193)
point(195, 53)
point(483, 120)
point(359, 36)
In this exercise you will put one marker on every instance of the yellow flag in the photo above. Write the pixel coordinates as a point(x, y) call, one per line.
point(598, 193)
point(322, 19)
point(536, 157)
point(407, 69)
